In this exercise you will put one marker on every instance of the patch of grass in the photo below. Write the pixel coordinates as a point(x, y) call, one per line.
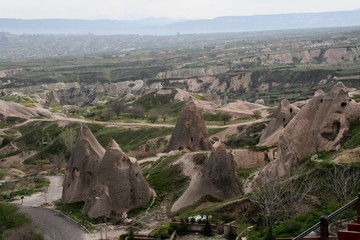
point(244, 173)
point(74, 210)
point(2, 174)
point(352, 137)
point(14, 120)
point(130, 139)
point(166, 178)
point(249, 139)
point(199, 158)
point(199, 97)
point(24, 187)
point(212, 131)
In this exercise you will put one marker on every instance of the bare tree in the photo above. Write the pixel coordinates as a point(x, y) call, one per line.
point(117, 107)
point(59, 161)
point(343, 180)
point(137, 111)
point(164, 115)
point(269, 200)
point(280, 200)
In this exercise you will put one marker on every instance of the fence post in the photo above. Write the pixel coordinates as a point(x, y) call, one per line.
point(324, 228)
point(357, 206)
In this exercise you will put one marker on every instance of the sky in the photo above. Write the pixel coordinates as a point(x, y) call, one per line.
point(174, 9)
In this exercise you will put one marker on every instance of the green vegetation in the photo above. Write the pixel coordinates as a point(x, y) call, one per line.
point(74, 210)
point(24, 187)
point(312, 180)
point(130, 139)
point(167, 179)
point(250, 137)
point(164, 230)
point(16, 225)
point(199, 158)
point(352, 137)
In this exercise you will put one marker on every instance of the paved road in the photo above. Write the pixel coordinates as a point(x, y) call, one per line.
point(54, 193)
point(54, 226)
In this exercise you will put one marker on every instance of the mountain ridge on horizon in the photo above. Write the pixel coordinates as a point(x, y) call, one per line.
point(168, 26)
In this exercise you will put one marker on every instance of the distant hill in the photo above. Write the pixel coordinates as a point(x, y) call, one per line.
point(268, 22)
point(164, 26)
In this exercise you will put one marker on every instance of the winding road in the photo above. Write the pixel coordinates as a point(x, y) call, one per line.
point(51, 224)
point(54, 226)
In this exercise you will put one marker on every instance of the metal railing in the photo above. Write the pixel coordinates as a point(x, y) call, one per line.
point(324, 220)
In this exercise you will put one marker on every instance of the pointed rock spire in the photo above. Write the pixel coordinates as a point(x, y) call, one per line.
point(190, 131)
point(216, 178)
point(119, 187)
point(82, 167)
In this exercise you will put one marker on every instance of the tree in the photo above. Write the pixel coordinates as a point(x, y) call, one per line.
point(343, 180)
point(106, 113)
point(59, 161)
point(280, 200)
point(131, 234)
point(117, 107)
point(164, 116)
point(68, 137)
point(74, 109)
point(153, 117)
point(226, 117)
point(257, 114)
point(207, 228)
point(137, 111)
point(231, 234)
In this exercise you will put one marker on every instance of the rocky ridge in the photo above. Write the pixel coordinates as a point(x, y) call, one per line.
point(319, 126)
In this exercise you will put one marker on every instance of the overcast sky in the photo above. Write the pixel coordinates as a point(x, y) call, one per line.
point(175, 9)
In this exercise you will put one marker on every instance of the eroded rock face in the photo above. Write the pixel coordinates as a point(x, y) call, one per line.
point(120, 185)
point(216, 178)
point(82, 167)
point(190, 131)
point(319, 126)
point(284, 113)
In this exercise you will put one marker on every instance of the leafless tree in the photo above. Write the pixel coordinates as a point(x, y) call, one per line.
point(59, 161)
point(269, 200)
point(280, 200)
point(24, 232)
point(117, 107)
point(343, 180)
point(137, 111)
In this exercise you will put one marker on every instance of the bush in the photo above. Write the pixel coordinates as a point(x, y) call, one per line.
point(16, 225)
point(199, 158)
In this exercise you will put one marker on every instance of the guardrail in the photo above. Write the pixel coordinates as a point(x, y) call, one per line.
point(324, 222)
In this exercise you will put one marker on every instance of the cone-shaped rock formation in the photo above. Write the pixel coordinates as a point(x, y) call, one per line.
point(82, 167)
point(190, 131)
point(119, 187)
point(217, 178)
point(284, 113)
point(319, 126)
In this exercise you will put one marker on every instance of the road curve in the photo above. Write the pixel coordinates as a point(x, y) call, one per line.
point(53, 226)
